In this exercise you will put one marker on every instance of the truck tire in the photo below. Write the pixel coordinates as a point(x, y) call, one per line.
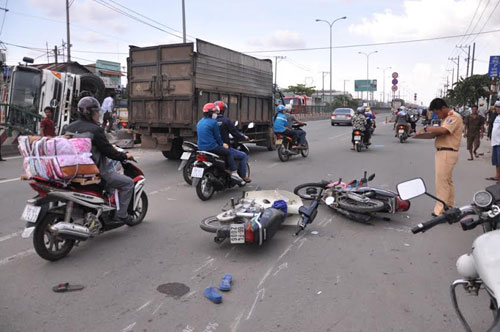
point(176, 151)
point(271, 143)
point(94, 85)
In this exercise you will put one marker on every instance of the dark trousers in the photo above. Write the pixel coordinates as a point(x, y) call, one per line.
point(226, 153)
point(297, 135)
point(107, 121)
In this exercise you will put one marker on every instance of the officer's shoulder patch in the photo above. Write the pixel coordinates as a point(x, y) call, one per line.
point(449, 121)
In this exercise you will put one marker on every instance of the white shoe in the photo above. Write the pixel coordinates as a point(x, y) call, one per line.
point(235, 176)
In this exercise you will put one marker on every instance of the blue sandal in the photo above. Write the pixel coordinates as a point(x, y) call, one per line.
point(226, 282)
point(213, 295)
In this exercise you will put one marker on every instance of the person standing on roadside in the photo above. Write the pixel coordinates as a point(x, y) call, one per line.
point(474, 131)
point(107, 106)
point(47, 126)
point(448, 139)
point(492, 114)
point(495, 143)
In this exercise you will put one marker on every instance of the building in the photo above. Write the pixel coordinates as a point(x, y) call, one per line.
point(70, 67)
point(109, 71)
point(327, 96)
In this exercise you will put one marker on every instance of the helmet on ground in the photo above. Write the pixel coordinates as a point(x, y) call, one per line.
point(87, 106)
point(280, 108)
point(210, 108)
point(221, 105)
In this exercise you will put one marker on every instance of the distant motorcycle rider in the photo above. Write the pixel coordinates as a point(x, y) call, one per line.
point(362, 123)
point(209, 138)
point(282, 126)
point(227, 127)
point(402, 119)
point(88, 111)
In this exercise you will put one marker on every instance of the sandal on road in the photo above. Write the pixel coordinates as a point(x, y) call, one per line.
point(492, 178)
point(213, 295)
point(226, 282)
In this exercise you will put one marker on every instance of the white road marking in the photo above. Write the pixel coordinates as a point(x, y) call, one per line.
point(281, 267)
point(404, 230)
point(10, 158)
point(260, 294)
point(302, 243)
point(328, 222)
point(10, 236)
point(190, 294)
point(10, 180)
point(157, 308)
point(236, 322)
point(143, 306)
point(130, 327)
point(265, 276)
point(229, 252)
point(273, 165)
point(338, 280)
point(299, 238)
point(210, 261)
point(17, 256)
point(285, 252)
point(337, 136)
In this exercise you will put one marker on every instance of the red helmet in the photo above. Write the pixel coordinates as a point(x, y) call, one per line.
point(221, 105)
point(210, 107)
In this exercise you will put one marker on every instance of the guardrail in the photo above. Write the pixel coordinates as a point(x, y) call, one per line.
point(21, 119)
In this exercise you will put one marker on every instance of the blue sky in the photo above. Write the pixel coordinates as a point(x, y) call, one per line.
point(260, 25)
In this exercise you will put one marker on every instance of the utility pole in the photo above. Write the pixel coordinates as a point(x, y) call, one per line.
point(473, 55)
point(55, 53)
point(67, 32)
point(323, 87)
point(468, 60)
point(457, 62)
point(345, 97)
point(183, 22)
point(47, 45)
point(276, 58)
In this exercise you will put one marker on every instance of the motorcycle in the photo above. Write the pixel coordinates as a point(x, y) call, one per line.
point(354, 199)
point(480, 268)
point(210, 174)
point(253, 220)
point(402, 133)
point(286, 148)
point(61, 216)
point(359, 140)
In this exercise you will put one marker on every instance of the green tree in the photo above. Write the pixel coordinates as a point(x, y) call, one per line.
point(468, 91)
point(301, 89)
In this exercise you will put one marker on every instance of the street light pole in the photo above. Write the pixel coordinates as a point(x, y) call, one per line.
point(383, 71)
point(367, 66)
point(68, 31)
point(183, 22)
point(331, 25)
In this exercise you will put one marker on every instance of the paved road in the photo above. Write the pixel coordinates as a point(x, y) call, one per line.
point(347, 277)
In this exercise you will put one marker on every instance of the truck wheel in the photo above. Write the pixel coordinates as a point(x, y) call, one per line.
point(94, 85)
point(176, 151)
point(271, 143)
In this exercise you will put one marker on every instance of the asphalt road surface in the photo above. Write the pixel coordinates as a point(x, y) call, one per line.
point(337, 276)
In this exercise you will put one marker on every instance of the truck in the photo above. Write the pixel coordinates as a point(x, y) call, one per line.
point(169, 84)
point(298, 102)
point(31, 89)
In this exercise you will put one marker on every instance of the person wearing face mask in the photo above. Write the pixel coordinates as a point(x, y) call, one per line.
point(209, 138)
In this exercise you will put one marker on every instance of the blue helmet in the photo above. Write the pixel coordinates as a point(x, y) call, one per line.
point(280, 108)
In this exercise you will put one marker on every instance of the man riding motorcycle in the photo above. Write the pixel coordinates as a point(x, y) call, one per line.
point(402, 118)
point(283, 126)
point(209, 138)
point(88, 125)
point(227, 127)
point(362, 123)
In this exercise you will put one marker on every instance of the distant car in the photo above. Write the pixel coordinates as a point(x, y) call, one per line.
point(342, 116)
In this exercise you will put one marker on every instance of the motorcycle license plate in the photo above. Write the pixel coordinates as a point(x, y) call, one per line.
point(237, 233)
point(357, 138)
point(31, 213)
point(197, 172)
point(401, 131)
point(279, 141)
point(186, 155)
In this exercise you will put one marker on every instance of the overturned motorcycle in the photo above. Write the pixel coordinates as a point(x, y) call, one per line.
point(354, 199)
point(256, 217)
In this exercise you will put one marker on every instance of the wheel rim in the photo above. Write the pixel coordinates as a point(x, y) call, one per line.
point(308, 192)
point(52, 242)
point(305, 152)
point(206, 187)
point(137, 214)
point(189, 169)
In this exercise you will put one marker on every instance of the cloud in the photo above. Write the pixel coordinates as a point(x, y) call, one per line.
point(280, 38)
point(90, 37)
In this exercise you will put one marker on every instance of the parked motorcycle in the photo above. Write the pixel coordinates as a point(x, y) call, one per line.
point(480, 268)
point(253, 220)
point(286, 147)
point(210, 174)
point(359, 140)
point(354, 199)
point(61, 216)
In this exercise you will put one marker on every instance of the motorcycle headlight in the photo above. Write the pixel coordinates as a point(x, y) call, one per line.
point(483, 199)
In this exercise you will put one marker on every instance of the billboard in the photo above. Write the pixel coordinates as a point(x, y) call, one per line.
point(365, 85)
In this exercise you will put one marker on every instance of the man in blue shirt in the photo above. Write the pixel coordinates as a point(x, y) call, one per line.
point(209, 138)
point(282, 126)
point(227, 127)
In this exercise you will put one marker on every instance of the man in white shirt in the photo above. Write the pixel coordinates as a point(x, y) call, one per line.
point(107, 108)
point(495, 143)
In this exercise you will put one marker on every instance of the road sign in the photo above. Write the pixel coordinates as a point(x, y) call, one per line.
point(494, 68)
point(365, 85)
point(394, 81)
point(394, 88)
point(395, 75)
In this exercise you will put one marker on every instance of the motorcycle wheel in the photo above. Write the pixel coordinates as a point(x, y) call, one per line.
point(308, 191)
point(204, 189)
point(140, 211)
point(401, 139)
point(371, 205)
point(47, 245)
point(210, 224)
point(305, 152)
point(358, 147)
point(282, 153)
point(186, 171)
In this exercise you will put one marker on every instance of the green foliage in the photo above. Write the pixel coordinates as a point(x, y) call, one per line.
point(301, 89)
point(468, 91)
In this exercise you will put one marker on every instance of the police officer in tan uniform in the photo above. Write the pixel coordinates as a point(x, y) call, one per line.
point(448, 139)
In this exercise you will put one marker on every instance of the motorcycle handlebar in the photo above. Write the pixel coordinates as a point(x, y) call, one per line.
point(451, 216)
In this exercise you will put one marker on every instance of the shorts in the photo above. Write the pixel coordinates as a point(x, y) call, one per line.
point(495, 156)
point(473, 142)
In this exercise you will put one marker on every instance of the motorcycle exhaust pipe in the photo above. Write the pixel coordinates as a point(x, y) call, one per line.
point(69, 231)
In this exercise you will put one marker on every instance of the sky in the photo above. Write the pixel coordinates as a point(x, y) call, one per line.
point(270, 28)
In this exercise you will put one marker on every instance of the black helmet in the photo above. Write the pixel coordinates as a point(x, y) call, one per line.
point(87, 106)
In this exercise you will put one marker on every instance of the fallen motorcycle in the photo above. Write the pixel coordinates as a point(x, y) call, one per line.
point(355, 199)
point(480, 268)
point(254, 220)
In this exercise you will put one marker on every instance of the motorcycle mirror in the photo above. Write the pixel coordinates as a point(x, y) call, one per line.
point(251, 125)
point(371, 177)
point(411, 189)
point(236, 123)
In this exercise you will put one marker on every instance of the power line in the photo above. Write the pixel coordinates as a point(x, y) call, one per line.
point(487, 20)
point(4, 15)
point(377, 44)
point(479, 19)
point(472, 20)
